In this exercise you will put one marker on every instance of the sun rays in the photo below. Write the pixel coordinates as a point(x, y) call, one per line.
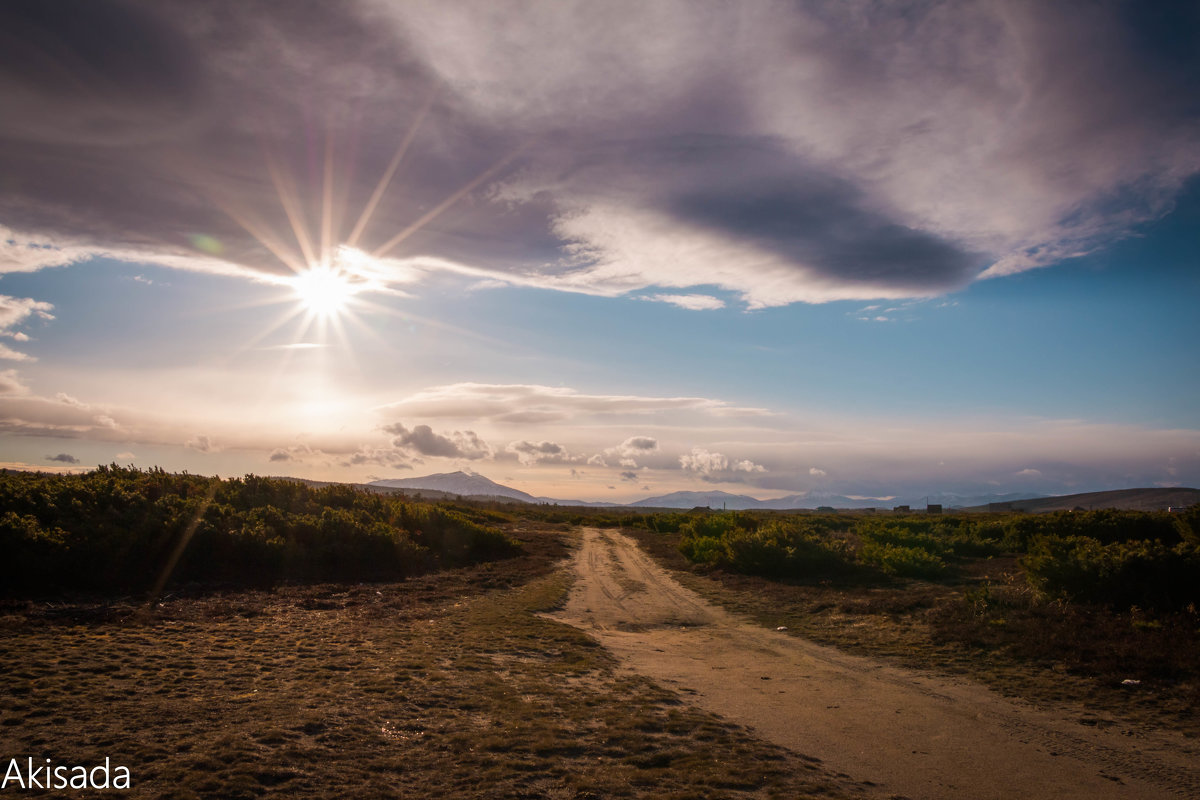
point(329, 273)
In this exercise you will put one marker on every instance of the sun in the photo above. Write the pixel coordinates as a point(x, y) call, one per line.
point(323, 291)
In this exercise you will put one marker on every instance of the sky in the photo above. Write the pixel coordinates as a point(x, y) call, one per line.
point(602, 251)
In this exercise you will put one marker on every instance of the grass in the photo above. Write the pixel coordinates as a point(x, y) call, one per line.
point(446, 685)
point(986, 624)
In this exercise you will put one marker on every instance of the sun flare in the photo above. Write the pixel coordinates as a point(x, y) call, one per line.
point(323, 291)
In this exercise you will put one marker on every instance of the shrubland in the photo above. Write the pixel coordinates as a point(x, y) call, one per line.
point(120, 529)
point(1101, 607)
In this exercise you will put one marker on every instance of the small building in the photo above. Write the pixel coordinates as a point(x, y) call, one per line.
point(901, 509)
point(933, 508)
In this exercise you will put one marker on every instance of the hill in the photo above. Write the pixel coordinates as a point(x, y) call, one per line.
point(1123, 499)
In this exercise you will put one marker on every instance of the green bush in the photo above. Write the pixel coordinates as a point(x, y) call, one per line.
point(902, 561)
point(119, 529)
point(1146, 574)
point(776, 548)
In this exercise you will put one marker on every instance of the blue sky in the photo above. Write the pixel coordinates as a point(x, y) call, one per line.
point(864, 250)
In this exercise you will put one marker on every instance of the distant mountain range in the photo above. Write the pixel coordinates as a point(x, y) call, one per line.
point(740, 502)
point(472, 485)
point(475, 486)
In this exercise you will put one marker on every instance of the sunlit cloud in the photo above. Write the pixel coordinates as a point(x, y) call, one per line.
point(708, 463)
point(692, 302)
point(529, 403)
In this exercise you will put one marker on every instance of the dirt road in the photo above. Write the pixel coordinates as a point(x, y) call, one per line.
point(911, 734)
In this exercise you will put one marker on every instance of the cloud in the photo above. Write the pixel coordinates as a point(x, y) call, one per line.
point(536, 404)
point(530, 453)
point(820, 152)
point(381, 456)
point(708, 463)
point(692, 302)
point(8, 353)
point(200, 443)
point(10, 383)
point(65, 458)
point(629, 476)
point(423, 440)
point(1029, 472)
point(16, 311)
point(126, 456)
point(638, 444)
point(817, 472)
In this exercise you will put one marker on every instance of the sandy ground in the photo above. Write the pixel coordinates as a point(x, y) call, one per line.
point(910, 734)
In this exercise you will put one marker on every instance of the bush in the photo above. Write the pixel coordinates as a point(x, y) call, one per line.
point(902, 561)
point(119, 529)
point(775, 548)
point(1150, 575)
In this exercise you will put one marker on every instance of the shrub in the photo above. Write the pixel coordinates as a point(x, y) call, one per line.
point(118, 529)
point(1150, 575)
point(906, 562)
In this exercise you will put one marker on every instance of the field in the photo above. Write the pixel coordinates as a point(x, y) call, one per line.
point(250, 638)
point(1113, 665)
point(445, 685)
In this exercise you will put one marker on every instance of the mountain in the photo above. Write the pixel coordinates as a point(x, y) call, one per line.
point(712, 499)
point(1124, 499)
point(473, 485)
point(466, 484)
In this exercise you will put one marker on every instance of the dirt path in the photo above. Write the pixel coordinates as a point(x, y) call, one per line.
point(910, 733)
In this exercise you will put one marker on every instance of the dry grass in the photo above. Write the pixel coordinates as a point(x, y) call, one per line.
point(1069, 655)
point(448, 685)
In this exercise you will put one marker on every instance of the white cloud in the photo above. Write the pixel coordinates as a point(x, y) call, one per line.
point(9, 354)
point(1030, 472)
point(706, 462)
point(817, 472)
point(10, 383)
point(692, 302)
point(531, 403)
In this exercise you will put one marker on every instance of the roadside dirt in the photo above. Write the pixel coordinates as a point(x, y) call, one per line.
point(907, 733)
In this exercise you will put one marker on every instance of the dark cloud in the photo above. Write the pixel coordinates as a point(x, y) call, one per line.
point(806, 151)
point(629, 476)
point(422, 439)
point(93, 72)
point(529, 453)
point(65, 458)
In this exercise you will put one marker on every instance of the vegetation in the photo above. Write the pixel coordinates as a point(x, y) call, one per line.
point(1121, 559)
point(1100, 606)
point(129, 530)
point(446, 685)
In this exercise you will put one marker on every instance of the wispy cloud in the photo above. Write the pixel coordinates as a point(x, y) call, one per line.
point(535, 404)
point(692, 302)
